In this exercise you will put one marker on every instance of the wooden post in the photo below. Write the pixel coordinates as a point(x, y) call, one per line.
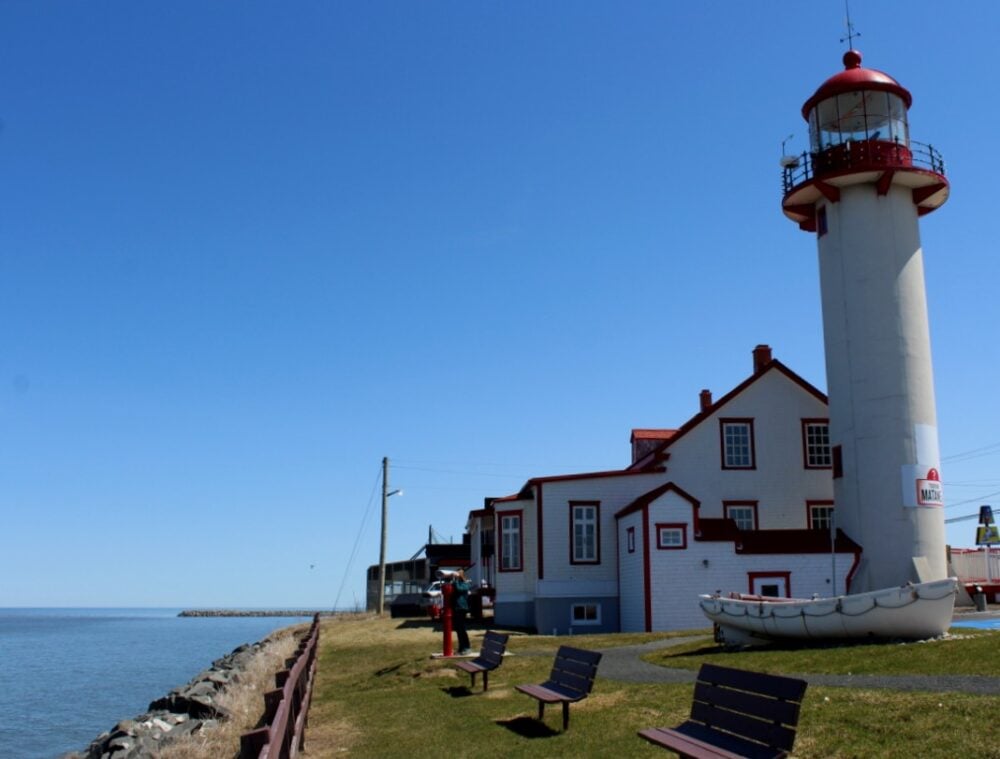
point(385, 516)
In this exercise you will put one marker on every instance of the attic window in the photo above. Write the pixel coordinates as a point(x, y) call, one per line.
point(737, 443)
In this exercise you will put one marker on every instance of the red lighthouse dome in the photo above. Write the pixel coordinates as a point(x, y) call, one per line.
point(859, 133)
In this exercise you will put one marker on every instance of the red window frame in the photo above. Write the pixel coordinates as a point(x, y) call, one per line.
point(805, 443)
point(722, 443)
point(519, 513)
point(682, 526)
point(573, 506)
point(753, 504)
point(809, 514)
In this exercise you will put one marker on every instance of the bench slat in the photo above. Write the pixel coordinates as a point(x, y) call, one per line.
point(772, 710)
point(571, 680)
point(736, 713)
point(685, 740)
point(768, 733)
point(776, 686)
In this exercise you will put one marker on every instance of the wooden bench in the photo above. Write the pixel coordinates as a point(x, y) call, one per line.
point(571, 680)
point(490, 657)
point(736, 713)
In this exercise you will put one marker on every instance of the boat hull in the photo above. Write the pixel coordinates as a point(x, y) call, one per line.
point(912, 611)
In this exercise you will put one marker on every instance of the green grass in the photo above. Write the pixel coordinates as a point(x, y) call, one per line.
point(379, 694)
point(967, 652)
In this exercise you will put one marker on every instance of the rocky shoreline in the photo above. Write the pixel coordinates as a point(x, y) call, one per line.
point(182, 712)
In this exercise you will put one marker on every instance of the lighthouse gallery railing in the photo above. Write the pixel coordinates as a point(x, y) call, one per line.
point(859, 155)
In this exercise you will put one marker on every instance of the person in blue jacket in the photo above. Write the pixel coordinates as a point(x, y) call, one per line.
point(459, 610)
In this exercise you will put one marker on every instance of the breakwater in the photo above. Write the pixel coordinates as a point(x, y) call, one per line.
point(254, 613)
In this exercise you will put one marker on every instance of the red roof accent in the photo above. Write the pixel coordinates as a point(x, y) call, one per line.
point(773, 541)
point(854, 78)
point(585, 476)
point(506, 498)
point(644, 434)
point(657, 453)
point(647, 498)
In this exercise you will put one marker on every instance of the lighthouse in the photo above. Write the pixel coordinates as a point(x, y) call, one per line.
point(861, 189)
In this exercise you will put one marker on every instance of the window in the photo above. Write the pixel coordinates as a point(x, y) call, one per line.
point(510, 541)
point(585, 614)
point(630, 539)
point(671, 537)
point(744, 513)
point(771, 584)
point(737, 443)
point(584, 532)
point(820, 515)
point(816, 443)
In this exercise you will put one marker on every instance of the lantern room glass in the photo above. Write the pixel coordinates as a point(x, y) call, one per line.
point(857, 116)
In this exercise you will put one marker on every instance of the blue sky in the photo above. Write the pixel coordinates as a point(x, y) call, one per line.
point(247, 249)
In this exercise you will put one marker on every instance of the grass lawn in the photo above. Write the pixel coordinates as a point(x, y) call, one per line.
point(379, 694)
point(967, 652)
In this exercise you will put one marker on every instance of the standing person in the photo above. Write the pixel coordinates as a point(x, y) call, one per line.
point(459, 609)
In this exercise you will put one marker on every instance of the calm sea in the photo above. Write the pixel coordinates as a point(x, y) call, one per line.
point(66, 675)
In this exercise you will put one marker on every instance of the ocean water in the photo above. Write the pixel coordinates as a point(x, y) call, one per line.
point(67, 675)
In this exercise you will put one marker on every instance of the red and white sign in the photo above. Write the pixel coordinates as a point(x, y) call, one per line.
point(929, 491)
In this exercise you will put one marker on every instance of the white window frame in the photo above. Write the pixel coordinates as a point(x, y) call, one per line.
point(596, 620)
point(679, 530)
point(742, 523)
point(817, 451)
point(511, 559)
point(825, 519)
point(738, 450)
point(585, 533)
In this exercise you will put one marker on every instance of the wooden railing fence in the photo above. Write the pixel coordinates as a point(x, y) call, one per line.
point(286, 708)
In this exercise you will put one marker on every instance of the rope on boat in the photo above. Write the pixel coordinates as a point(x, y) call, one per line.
point(838, 609)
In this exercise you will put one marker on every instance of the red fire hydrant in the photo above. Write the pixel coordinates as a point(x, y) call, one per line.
point(446, 591)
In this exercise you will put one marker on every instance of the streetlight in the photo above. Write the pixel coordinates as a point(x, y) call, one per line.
point(385, 518)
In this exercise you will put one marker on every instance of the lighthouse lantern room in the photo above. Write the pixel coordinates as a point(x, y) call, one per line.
point(861, 188)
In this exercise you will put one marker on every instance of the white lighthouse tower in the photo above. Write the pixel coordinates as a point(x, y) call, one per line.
point(861, 189)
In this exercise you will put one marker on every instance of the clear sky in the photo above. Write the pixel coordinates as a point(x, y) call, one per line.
point(247, 249)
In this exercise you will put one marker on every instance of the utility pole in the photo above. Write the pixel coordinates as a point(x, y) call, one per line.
point(385, 517)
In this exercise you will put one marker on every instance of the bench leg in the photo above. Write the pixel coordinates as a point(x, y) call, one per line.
point(565, 715)
point(541, 711)
point(473, 676)
point(486, 681)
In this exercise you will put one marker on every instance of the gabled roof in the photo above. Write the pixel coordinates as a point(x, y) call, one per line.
point(647, 498)
point(656, 455)
point(525, 491)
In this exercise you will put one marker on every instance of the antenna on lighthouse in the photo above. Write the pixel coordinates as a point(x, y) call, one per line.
point(851, 34)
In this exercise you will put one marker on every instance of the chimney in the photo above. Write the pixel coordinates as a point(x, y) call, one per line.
point(705, 398)
point(761, 357)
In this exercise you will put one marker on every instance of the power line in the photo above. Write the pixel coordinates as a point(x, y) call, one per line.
point(973, 500)
point(973, 453)
point(357, 539)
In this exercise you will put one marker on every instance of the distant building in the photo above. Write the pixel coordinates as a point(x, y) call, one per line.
point(415, 574)
point(738, 498)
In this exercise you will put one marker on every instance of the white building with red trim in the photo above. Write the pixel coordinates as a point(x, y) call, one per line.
point(739, 498)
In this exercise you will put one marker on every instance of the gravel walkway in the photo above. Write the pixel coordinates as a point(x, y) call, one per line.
point(625, 664)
